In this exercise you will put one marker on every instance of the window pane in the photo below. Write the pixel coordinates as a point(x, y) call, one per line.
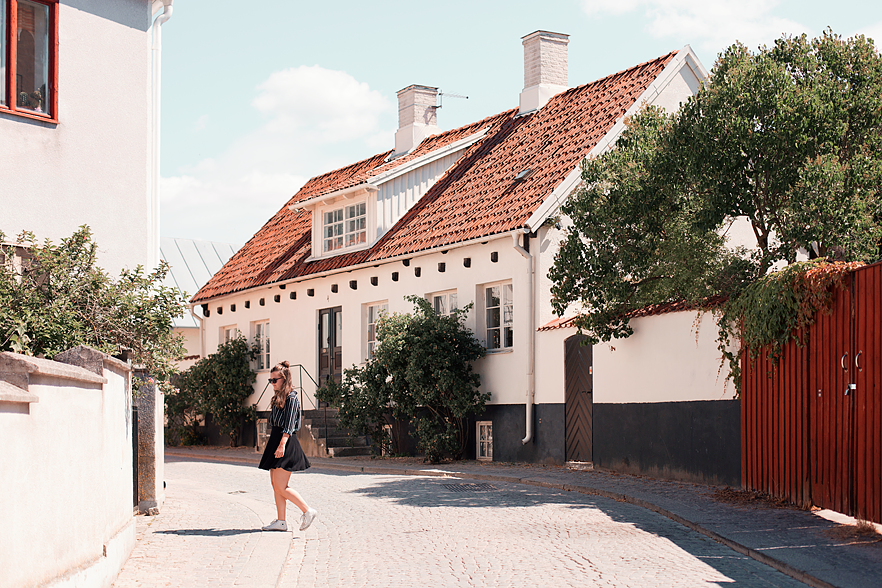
point(492, 317)
point(509, 337)
point(492, 296)
point(507, 314)
point(338, 318)
point(453, 305)
point(2, 51)
point(493, 339)
point(326, 332)
point(32, 61)
point(441, 305)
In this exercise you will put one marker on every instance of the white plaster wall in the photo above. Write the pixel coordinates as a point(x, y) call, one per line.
point(66, 483)
point(192, 345)
point(92, 167)
point(681, 86)
point(665, 360)
point(293, 323)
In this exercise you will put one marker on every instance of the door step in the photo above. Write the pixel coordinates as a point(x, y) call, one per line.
point(584, 466)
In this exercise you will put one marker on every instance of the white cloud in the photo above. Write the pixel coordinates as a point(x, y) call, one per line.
point(316, 120)
point(709, 25)
point(201, 123)
point(331, 104)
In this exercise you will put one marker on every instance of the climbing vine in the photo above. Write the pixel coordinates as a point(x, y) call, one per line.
point(776, 309)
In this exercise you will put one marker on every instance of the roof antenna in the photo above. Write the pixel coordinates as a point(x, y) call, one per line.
point(441, 95)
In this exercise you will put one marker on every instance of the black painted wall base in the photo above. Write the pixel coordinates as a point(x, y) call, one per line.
point(696, 441)
point(509, 428)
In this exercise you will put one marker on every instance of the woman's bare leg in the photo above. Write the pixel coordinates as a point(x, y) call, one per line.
point(279, 478)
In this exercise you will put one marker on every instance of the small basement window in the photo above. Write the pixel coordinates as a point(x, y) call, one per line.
point(484, 436)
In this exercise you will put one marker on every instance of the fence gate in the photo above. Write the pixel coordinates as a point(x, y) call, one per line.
point(812, 422)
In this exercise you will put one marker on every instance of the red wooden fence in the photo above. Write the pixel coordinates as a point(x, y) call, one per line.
point(811, 424)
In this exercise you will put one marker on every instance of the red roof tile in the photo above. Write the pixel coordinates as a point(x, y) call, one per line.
point(475, 198)
point(651, 310)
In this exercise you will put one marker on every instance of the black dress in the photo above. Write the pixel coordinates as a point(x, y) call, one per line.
point(285, 420)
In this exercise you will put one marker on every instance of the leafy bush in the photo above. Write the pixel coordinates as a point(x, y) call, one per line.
point(217, 384)
point(421, 373)
point(54, 298)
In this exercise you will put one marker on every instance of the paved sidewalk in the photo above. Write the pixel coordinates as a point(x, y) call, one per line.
point(800, 544)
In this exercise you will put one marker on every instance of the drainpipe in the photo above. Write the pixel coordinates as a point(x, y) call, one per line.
point(156, 49)
point(201, 322)
point(531, 343)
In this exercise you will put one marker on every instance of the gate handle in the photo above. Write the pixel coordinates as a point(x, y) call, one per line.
point(842, 361)
point(856, 364)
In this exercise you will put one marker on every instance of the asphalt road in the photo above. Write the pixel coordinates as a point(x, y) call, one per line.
point(385, 530)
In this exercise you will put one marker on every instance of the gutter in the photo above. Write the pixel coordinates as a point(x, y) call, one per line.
point(531, 341)
point(153, 205)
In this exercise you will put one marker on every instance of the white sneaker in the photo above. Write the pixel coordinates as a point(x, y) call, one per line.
point(307, 518)
point(276, 525)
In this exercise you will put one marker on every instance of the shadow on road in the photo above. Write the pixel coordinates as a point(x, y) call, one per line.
point(740, 570)
point(209, 532)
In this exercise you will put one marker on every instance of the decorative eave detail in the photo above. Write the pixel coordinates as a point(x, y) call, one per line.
point(428, 158)
point(343, 194)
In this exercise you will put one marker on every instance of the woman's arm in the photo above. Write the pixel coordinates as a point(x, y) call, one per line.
point(280, 451)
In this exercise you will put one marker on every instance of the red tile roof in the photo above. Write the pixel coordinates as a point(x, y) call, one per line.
point(651, 310)
point(475, 198)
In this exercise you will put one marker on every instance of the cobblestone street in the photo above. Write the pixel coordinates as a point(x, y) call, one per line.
point(386, 530)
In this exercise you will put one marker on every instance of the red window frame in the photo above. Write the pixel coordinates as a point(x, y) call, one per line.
point(11, 106)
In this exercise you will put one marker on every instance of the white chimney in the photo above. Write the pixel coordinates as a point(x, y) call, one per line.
point(545, 69)
point(416, 117)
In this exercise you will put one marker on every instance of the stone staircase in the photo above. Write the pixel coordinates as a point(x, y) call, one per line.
point(321, 436)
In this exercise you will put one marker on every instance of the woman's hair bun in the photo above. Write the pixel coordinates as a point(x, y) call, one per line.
point(285, 363)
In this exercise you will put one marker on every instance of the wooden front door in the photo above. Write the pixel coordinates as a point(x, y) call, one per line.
point(330, 332)
point(578, 399)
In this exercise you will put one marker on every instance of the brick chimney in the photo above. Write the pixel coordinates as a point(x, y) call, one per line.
point(416, 117)
point(545, 69)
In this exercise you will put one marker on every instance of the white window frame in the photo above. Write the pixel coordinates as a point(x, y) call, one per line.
point(448, 298)
point(370, 332)
point(261, 332)
point(320, 209)
point(506, 316)
point(345, 219)
point(228, 333)
point(484, 446)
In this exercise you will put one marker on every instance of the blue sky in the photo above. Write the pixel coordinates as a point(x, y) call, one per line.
point(257, 97)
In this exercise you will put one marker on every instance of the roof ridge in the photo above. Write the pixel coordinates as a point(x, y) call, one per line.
point(477, 196)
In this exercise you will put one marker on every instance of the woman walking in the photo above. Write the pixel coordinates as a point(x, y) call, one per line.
point(283, 453)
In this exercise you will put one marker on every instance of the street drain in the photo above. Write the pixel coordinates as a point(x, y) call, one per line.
point(469, 487)
point(236, 492)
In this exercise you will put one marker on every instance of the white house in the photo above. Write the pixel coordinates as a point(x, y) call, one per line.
point(462, 216)
point(79, 123)
point(79, 133)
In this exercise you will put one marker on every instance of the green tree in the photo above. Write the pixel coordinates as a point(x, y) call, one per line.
point(217, 384)
point(788, 137)
point(421, 373)
point(57, 298)
point(630, 240)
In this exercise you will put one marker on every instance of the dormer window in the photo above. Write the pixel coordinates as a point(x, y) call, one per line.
point(344, 227)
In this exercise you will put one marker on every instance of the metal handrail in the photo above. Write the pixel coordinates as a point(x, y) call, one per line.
point(302, 371)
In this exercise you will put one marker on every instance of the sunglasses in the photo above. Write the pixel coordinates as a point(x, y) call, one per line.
point(274, 380)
